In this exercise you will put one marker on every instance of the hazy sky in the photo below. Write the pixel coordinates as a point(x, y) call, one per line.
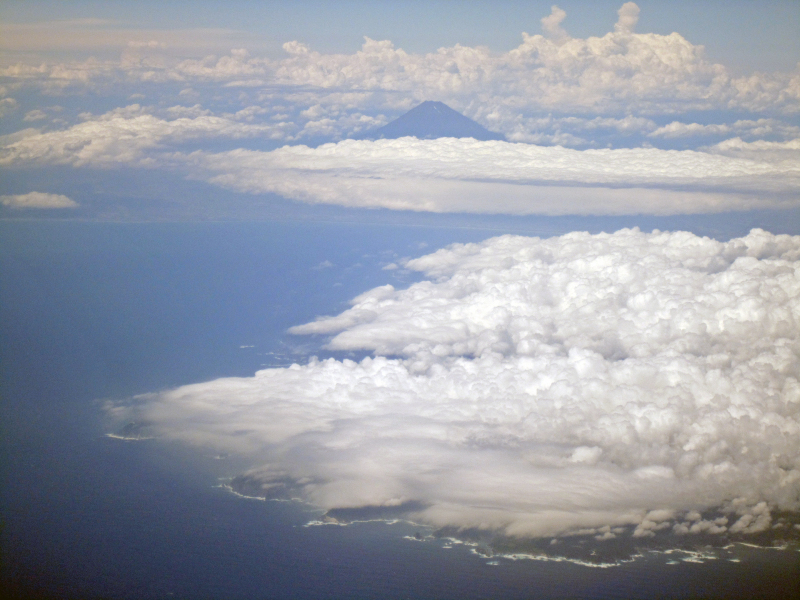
point(743, 35)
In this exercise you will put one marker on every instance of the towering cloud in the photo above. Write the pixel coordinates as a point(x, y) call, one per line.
point(621, 72)
point(538, 387)
point(628, 17)
point(551, 25)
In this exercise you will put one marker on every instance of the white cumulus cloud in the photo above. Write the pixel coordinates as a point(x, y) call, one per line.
point(551, 25)
point(628, 17)
point(126, 135)
point(620, 72)
point(751, 128)
point(38, 200)
point(538, 387)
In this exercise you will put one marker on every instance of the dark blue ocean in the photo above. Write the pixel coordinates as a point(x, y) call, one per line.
point(96, 311)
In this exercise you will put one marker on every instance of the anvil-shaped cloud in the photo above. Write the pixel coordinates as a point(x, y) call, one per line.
point(538, 387)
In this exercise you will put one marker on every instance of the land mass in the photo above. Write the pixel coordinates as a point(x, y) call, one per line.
point(431, 120)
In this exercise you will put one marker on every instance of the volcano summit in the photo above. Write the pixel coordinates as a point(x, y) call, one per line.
point(432, 120)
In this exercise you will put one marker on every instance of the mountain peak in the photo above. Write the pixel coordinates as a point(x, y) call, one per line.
point(431, 120)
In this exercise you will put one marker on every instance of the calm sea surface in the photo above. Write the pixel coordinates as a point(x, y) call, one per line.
point(91, 311)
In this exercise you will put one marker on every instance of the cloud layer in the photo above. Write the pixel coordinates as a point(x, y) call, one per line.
point(538, 387)
point(450, 175)
point(441, 175)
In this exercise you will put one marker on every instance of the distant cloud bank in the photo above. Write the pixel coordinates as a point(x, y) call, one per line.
point(441, 175)
point(611, 384)
point(617, 75)
point(594, 107)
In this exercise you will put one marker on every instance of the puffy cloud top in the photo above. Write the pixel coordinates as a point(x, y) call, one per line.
point(551, 25)
point(539, 387)
point(620, 71)
point(124, 135)
point(628, 17)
